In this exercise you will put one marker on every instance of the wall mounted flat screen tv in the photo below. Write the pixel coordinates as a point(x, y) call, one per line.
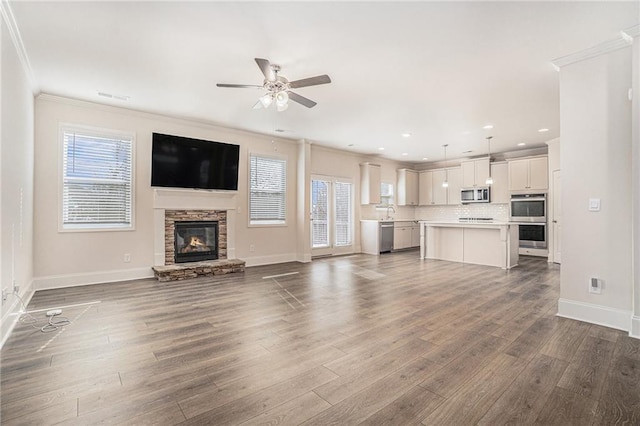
point(180, 162)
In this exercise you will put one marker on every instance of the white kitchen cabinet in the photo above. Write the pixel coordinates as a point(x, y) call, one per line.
point(500, 188)
point(369, 183)
point(439, 192)
point(401, 235)
point(407, 187)
point(455, 185)
point(425, 188)
point(529, 174)
point(475, 172)
point(406, 235)
point(415, 234)
point(431, 191)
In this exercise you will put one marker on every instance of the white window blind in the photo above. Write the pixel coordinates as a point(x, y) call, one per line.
point(97, 180)
point(344, 213)
point(267, 193)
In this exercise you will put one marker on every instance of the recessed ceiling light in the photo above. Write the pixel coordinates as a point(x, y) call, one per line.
point(467, 151)
point(488, 127)
point(405, 153)
point(521, 144)
point(381, 148)
point(543, 130)
point(351, 144)
point(406, 135)
point(424, 158)
point(279, 130)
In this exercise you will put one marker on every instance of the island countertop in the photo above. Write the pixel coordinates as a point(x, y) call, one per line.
point(492, 243)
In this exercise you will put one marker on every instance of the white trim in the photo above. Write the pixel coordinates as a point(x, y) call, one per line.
point(632, 32)
point(270, 260)
point(595, 314)
point(635, 327)
point(592, 52)
point(14, 32)
point(74, 280)
point(8, 324)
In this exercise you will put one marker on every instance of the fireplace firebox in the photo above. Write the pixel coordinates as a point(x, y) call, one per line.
point(196, 241)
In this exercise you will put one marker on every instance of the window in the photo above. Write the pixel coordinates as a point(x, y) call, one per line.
point(267, 191)
point(97, 179)
point(386, 194)
point(344, 213)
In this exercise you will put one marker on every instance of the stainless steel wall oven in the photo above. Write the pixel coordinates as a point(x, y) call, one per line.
point(530, 212)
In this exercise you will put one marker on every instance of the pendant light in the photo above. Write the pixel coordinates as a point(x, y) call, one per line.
point(445, 184)
point(489, 180)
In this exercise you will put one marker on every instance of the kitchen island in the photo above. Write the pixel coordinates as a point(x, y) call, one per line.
point(481, 243)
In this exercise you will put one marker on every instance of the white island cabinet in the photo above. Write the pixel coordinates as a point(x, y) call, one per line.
point(491, 244)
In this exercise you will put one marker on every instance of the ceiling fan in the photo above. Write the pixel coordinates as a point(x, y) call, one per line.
point(279, 88)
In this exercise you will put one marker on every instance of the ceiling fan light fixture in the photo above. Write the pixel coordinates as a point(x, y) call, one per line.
point(282, 98)
point(281, 107)
point(266, 100)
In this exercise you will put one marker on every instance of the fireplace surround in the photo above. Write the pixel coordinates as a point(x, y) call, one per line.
point(189, 219)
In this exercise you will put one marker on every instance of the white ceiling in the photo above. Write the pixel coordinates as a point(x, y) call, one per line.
point(440, 70)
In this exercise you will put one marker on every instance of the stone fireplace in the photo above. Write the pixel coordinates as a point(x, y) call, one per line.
point(196, 208)
point(195, 235)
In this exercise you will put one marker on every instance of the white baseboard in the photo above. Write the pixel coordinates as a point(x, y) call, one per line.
point(595, 314)
point(635, 327)
point(12, 314)
point(270, 260)
point(74, 280)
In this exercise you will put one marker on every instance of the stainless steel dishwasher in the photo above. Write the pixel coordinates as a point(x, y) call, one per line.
point(386, 237)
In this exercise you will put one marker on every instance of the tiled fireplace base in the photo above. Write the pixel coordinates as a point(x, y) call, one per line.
point(183, 271)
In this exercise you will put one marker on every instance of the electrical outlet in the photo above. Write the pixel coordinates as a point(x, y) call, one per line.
point(5, 294)
point(127, 257)
point(252, 248)
point(595, 286)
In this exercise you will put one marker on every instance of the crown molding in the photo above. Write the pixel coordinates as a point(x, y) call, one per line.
point(12, 28)
point(632, 32)
point(624, 40)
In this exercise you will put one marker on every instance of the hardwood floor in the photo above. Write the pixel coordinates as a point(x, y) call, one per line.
point(348, 340)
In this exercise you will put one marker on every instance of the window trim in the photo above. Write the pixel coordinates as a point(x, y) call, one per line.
point(266, 224)
point(99, 132)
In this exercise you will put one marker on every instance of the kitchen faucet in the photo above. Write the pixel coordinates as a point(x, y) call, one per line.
point(390, 208)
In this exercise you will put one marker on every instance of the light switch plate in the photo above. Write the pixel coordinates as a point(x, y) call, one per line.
point(594, 204)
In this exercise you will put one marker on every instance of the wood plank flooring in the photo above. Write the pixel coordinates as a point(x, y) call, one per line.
point(388, 340)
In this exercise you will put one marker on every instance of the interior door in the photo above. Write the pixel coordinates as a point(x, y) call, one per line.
point(557, 216)
point(332, 229)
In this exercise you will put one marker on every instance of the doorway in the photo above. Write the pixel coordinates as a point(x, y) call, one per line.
point(331, 216)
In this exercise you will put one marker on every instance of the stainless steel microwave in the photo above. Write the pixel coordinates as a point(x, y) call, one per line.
point(475, 195)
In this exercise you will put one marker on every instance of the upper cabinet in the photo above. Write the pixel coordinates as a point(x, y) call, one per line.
point(407, 187)
point(455, 185)
point(369, 183)
point(475, 172)
point(433, 193)
point(500, 187)
point(529, 174)
point(425, 186)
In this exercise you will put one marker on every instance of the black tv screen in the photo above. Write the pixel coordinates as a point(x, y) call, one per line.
point(180, 162)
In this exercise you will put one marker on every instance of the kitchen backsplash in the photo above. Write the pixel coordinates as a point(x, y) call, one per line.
point(498, 212)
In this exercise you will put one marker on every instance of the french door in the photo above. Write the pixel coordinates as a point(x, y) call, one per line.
point(331, 216)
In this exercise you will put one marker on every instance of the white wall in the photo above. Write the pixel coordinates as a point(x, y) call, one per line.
point(595, 122)
point(16, 178)
point(87, 257)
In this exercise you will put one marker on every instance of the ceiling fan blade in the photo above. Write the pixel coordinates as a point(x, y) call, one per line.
point(311, 81)
point(302, 100)
point(250, 86)
point(258, 105)
point(266, 68)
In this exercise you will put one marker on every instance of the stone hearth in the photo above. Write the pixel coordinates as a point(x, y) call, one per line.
point(183, 271)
